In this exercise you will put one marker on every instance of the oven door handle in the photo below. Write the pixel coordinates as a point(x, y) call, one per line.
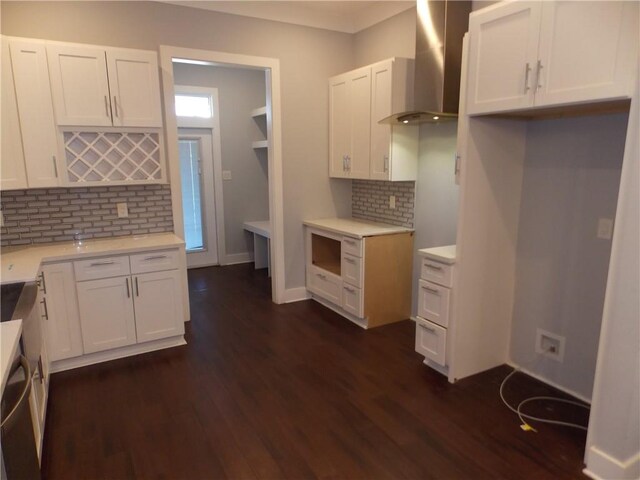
point(8, 420)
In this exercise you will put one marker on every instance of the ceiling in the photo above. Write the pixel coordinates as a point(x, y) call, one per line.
point(348, 17)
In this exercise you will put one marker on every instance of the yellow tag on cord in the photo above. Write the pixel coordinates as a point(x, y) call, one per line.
point(528, 428)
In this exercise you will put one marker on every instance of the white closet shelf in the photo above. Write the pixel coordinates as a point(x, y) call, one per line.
point(259, 144)
point(258, 112)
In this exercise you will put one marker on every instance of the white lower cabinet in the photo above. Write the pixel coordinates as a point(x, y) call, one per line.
point(106, 314)
point(158, 305)
point(352, 300)
point(434, 304)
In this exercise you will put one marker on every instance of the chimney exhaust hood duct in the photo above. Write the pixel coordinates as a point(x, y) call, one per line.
point(441, 25)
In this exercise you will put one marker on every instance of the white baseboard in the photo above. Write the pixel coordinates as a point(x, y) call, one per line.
point(568, 391)
point(602, 466)
point(235, 258)
point(298, 294)
point(128, 351)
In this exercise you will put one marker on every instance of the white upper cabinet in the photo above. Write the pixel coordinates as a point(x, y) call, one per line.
point(134, 87)
point(93, 86)
point(360, 147)
point(12, 171)
point(539, 54)
point(37, 123)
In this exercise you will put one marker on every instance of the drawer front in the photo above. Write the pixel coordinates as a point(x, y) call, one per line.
point(103, 267)
point(155, 261)
point(431, 341)
point(352, 300)
point(352, 270)
point(433, 302)
point(437, 272)
point(325, 285)
point(352, 246)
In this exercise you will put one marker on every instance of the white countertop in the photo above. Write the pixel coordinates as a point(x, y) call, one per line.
point(21, 264)
point(9, 340)
point(446, 254)
point(355, 227)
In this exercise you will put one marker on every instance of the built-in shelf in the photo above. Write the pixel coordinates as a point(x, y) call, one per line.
point(258, 112)
point(259, 144)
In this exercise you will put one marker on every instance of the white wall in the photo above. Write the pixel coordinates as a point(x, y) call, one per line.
point(308, 57)
point(246, 195)
point(571, 179)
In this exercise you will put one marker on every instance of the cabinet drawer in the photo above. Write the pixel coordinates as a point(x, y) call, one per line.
point(155, 261)
point(352, 246)
point(433, 302)
point(325, 285)
point(437, 272)
point(104, 267)
point(352, 270)
point(431, 341)
point(352, 300)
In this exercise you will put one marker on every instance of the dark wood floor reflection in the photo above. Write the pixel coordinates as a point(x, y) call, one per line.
point(292, 391)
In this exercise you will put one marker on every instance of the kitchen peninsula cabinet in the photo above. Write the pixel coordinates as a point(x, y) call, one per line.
point(544, 54)
point(362, 270)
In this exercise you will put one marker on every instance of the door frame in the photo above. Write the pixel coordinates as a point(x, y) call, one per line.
point(212, 125)
point(271, 67)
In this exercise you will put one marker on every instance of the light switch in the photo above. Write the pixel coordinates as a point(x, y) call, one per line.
point(392, 201)
point(605, 228)
point(226, 174)
point(123, 210)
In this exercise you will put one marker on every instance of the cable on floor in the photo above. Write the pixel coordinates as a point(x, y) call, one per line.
point(525, 426)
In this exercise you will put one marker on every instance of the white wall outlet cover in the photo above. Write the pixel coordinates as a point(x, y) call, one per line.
point(392, 201)
point(226, 174)
point(550, 345)
point(605, 228)
point(123, 210)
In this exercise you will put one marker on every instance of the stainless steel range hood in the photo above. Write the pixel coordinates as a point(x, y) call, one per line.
point(441, 25)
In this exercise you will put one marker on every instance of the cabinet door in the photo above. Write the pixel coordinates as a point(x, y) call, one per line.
point(106, 313)
point(62, 324)
point(381, 84)
point(360, 106)
point(134, 87)
point(158, 305)
point(35, 107)
point(79, 85)
point(12, 172)
point(588, 51)
point(503, 56)
point(339, 126)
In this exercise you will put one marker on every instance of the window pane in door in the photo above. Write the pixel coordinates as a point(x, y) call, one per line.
point(191, 193)
point(193, 106)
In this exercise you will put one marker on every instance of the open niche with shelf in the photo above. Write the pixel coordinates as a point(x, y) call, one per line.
point(326, 253)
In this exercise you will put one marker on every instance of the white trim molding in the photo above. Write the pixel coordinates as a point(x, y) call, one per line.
point(608, 468)
point(271, 67)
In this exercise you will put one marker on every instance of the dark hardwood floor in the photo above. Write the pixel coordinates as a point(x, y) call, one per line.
point(265, 391)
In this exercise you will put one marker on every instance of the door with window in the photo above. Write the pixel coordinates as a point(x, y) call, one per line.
point(194, 112)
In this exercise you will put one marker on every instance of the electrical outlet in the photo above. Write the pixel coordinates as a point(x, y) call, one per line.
point(226, 174)
point(550, 345)
point(605, 228)
point(392, 201)
point(123, 210)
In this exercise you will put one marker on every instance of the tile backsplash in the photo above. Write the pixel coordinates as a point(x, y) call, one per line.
point(370, 201)
point(54, 214)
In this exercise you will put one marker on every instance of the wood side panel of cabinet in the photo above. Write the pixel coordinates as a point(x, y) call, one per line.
point(387, 287)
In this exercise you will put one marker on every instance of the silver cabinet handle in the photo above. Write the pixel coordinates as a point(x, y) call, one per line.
point(349, 289)
point(40, 370)
point(43, 283)
point(106, 106)
point(155, 257)
point(526, 78)
point(432, 290)
point(386, 163)
point(349, 163)
point(456, 166)
point(115, 105)
point(126, 280)
point(46, 310)
point(428, 329)
point(344, 163)
point(55, 166)
point(538, 70)
point(350, 260)
point(137, 288)
point(350, 242)
point(433, 267)
point(323, 277)
point(100, 264)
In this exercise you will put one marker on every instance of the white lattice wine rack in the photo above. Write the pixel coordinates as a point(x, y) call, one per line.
point(96, 157)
